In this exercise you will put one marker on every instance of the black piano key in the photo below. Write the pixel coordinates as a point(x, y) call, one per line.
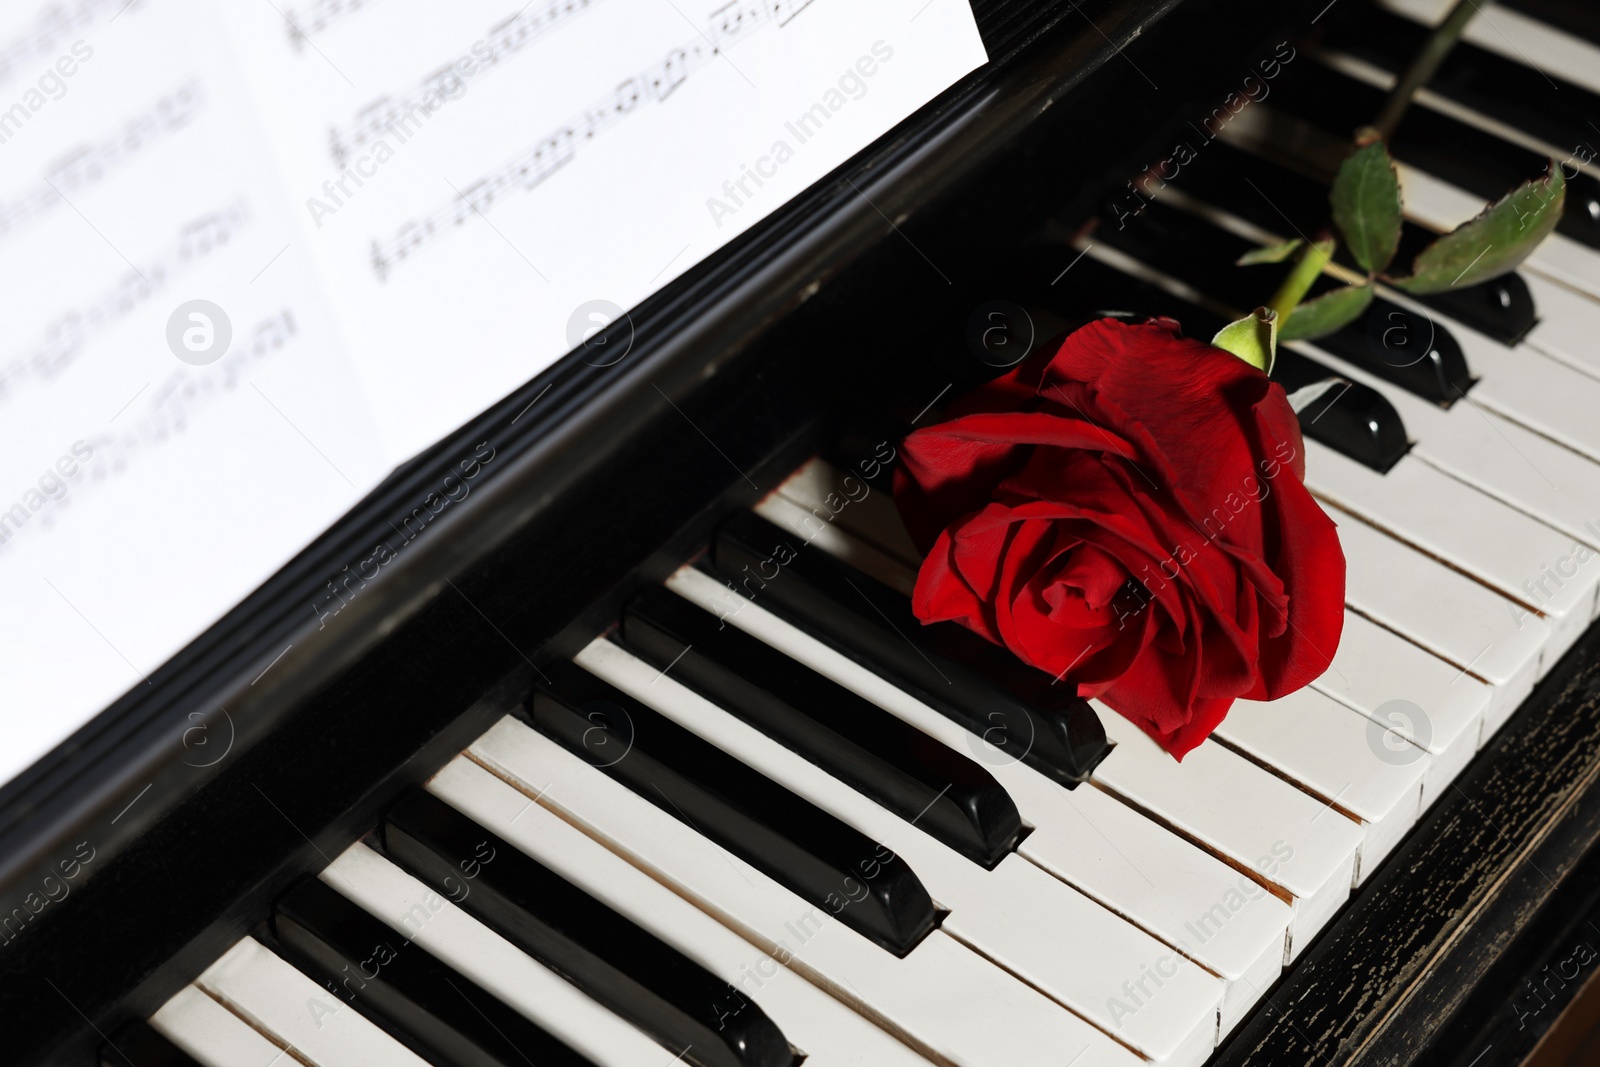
point(978, 684)
point(1266, 194)
point(443, 1015)
point(1454, 151)
point(1351, 418)
point(1411, 350)
point(898, 766)
point(137, 1044)
point(611, 958)
point(819, 858)
point(1406, 347)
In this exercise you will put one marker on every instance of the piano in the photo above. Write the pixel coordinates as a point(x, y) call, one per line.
point(631, 757)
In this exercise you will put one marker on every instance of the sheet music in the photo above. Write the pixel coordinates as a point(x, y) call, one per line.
point(468, 181)
point(259, 254)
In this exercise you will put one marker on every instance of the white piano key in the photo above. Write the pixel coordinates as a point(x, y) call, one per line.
point(866, 512)
point(946, 1001)
point(1258, 821)
point(425, 918)
point(837, 540)
point(1401, 687)
point(1471, 626)
point(1035, 926)
point(1552, 483)
point(1332, 751)
point(1517, 37)
point(277, 999)
point(826, 1031)
point(1568, 324)
point(212, 1034)
point(1113, 853)
point(1465, 528)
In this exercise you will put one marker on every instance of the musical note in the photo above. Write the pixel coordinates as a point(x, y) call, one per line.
point(477, 197)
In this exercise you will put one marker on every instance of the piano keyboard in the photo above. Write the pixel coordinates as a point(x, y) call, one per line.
point(725, 835)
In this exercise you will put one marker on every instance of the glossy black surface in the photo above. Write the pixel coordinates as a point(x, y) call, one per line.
point(983, 687)
point(608, 956)
point(942, 791)
point(1410, 349)
point(440, 1013)
point(819, 858)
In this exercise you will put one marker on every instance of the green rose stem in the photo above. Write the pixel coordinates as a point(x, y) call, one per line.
point(1314, 258)
point(1433, 52)
point(1308, 268)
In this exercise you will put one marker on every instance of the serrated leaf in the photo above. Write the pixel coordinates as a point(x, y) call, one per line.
point(1366, 206)
point(1493, 243)
point(1270, 254)
point(1253, 338)
point(1327, 314)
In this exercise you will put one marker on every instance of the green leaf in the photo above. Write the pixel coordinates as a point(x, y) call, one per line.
point(1493, 243)
point(1270, 254)
point(1253, 338)
point(1366, 206)
point(1328, 313)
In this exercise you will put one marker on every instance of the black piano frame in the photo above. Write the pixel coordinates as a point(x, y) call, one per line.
point(274, 740)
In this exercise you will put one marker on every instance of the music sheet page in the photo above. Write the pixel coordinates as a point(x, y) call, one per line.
point(259, 252)
point(480, 181)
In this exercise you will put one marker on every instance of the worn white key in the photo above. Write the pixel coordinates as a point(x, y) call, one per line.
point(836, 540)
point(1035, 926)
point(1255, 819)
point(1414, 696)
point(212, 1034)
point(425, 918)
point(1465, 528)
point(1161, 882)
point(826, 1031)
point(942, 998)
point(1334, 752)
point(1568, 324)
point(832, 496)
point(1471, 626)
point(277, 999)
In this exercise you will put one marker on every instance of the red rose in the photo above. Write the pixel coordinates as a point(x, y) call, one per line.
point(1131, 515)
